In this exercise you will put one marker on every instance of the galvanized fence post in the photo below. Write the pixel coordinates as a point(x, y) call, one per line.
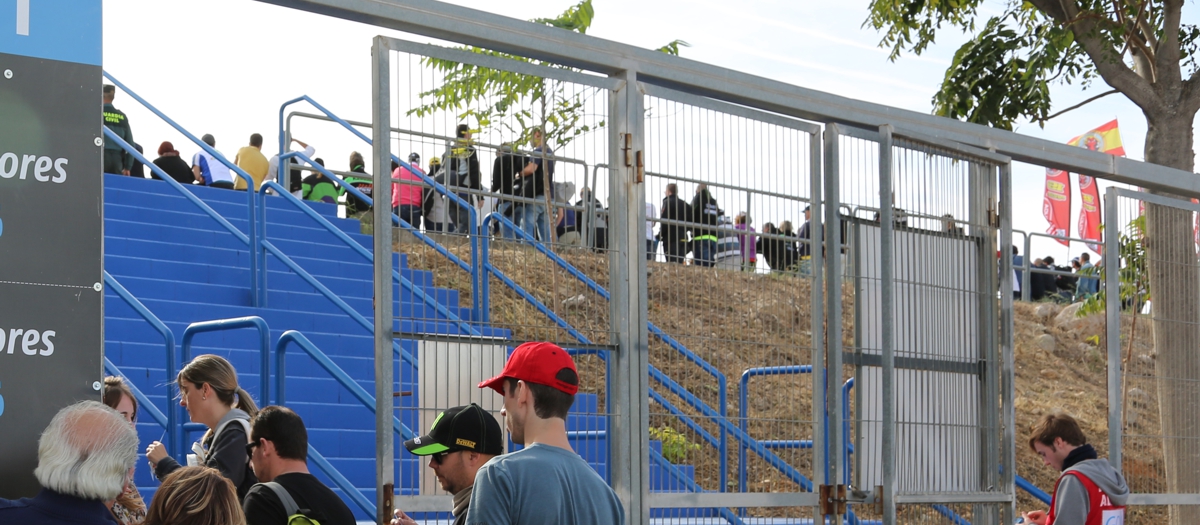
point(1112, 310)
point(382, 241)
point(887, 324)
point(629, 402)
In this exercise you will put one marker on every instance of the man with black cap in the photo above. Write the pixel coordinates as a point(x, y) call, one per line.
point(459, 442)
point(545, 482)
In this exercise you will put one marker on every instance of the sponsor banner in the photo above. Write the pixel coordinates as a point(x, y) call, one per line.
point(1056, 204)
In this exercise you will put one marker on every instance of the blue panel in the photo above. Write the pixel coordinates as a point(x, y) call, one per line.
point(65, 30)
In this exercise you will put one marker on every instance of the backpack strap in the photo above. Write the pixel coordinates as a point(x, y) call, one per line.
point(285, 497)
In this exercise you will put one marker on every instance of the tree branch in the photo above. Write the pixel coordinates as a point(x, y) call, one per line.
point(1081, 104)
point(1108, 63)
point(1168, 56)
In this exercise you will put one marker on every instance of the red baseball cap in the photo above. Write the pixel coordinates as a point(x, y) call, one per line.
point(539, 363)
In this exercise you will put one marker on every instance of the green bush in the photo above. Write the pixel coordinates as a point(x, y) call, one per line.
point(675, 446)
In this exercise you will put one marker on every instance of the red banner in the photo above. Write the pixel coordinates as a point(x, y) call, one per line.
point(1056, 204)
point(1089, 213)
point(1105, 139)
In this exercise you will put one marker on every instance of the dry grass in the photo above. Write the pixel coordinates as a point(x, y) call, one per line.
point(736, 321)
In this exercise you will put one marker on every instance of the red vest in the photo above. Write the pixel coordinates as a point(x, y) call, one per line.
point(1101, 510)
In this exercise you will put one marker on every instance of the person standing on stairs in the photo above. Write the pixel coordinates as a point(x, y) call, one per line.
point(460, 441)
point(208, 389)
point(116, 160)
point(545, 482)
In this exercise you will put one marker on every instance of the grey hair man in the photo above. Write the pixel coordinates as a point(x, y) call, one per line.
point(85, 458)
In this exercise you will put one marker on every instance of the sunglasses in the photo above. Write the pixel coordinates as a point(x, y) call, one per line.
point(250, 446)
point(440, 457)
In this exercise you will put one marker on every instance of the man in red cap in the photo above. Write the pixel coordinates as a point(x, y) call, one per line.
point(545, 482)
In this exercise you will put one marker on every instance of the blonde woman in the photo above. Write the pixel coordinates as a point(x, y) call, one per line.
point(128, 508)
point(195, 496)
point(208, 389)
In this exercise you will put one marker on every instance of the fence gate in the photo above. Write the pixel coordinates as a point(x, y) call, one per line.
point(1152, 335)
point(912, 294)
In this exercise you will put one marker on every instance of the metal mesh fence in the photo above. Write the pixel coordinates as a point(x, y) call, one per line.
point(938, 282)
point(1157, 329)
point(730, 289)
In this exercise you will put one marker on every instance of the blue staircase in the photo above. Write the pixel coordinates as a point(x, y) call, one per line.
point(185, 268)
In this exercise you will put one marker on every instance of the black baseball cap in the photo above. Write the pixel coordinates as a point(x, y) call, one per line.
point(460, 428)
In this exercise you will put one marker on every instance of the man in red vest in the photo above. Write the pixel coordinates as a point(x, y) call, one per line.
point(1089, 491)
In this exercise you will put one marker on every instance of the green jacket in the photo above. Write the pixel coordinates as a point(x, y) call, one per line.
point(115, 120)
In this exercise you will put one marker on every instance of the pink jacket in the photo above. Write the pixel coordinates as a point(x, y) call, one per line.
point(406, 194)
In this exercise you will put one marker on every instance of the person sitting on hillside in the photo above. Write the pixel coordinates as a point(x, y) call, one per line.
point(169, 161)
point(362, 182)
point(318, 188)
point(251, 160)
point(567, 225)
point(208, 170)
point(1088, 284)
point(780, 254)
point(295, 181)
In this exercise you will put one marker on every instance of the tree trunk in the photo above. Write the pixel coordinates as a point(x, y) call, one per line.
point(1175, 288)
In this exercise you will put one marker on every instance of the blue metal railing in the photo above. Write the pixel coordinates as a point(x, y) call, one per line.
point(252, 241)
point(220, 325)
point(744, 421)
point(357, 248)
point(364, 397)
point(691, 484)
point(293, 336)
point(172, 420)
point(722, 386)
point(479, 302)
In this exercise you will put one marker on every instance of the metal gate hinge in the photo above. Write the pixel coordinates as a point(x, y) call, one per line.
point(833, 500)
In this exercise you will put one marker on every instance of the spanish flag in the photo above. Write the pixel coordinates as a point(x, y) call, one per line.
point(1105, 139)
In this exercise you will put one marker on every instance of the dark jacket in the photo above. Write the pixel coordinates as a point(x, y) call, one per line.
point(363, 183)
point(53, 508)
point(451, 167)
point(705, 211)
point(176, 168)
point(534, 186)
point(115, 120)
point(675, 209)
point(504, 170)
point(227, 454)
point(780, 254)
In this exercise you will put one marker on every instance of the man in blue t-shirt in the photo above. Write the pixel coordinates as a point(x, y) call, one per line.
point(545, 482)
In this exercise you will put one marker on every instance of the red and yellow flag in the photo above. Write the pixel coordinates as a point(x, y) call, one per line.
point(1105, 139)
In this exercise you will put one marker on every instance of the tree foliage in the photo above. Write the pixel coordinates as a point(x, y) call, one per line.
point(516, 103)
point(1003, 74)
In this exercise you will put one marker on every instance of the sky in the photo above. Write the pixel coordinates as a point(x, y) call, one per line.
point(225, 67)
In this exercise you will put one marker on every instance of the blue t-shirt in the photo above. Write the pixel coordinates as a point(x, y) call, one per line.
point(542, 484)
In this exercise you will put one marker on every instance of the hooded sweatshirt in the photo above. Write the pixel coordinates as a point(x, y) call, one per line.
point(1071, 502)
point(225, 452)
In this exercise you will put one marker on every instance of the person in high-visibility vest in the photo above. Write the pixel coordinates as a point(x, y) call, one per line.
point(1089, 491)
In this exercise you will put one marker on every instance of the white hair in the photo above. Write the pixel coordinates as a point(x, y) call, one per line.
point(87, 451)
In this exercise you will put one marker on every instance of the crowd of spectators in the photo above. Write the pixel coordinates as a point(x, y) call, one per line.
point(1067, 284)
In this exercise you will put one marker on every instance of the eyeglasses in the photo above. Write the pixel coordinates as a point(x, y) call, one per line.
point(440, 457)
point(250, 446)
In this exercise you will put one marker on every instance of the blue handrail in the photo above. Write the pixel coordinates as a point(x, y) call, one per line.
point(357, 248)
point(743, 419)
point(143, 400)
point(178, 187)
point(341, 481)
point(312, 281)
point(722, 386)
point(252, 241)
point(674, 472)
point(219, 325)
point(171, 421)
point(479, 305)
point(344, 379)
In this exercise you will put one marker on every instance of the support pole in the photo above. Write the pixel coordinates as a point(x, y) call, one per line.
point(628, 403)
point(381, 93)
point(1112, 309)
point(887, 323)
